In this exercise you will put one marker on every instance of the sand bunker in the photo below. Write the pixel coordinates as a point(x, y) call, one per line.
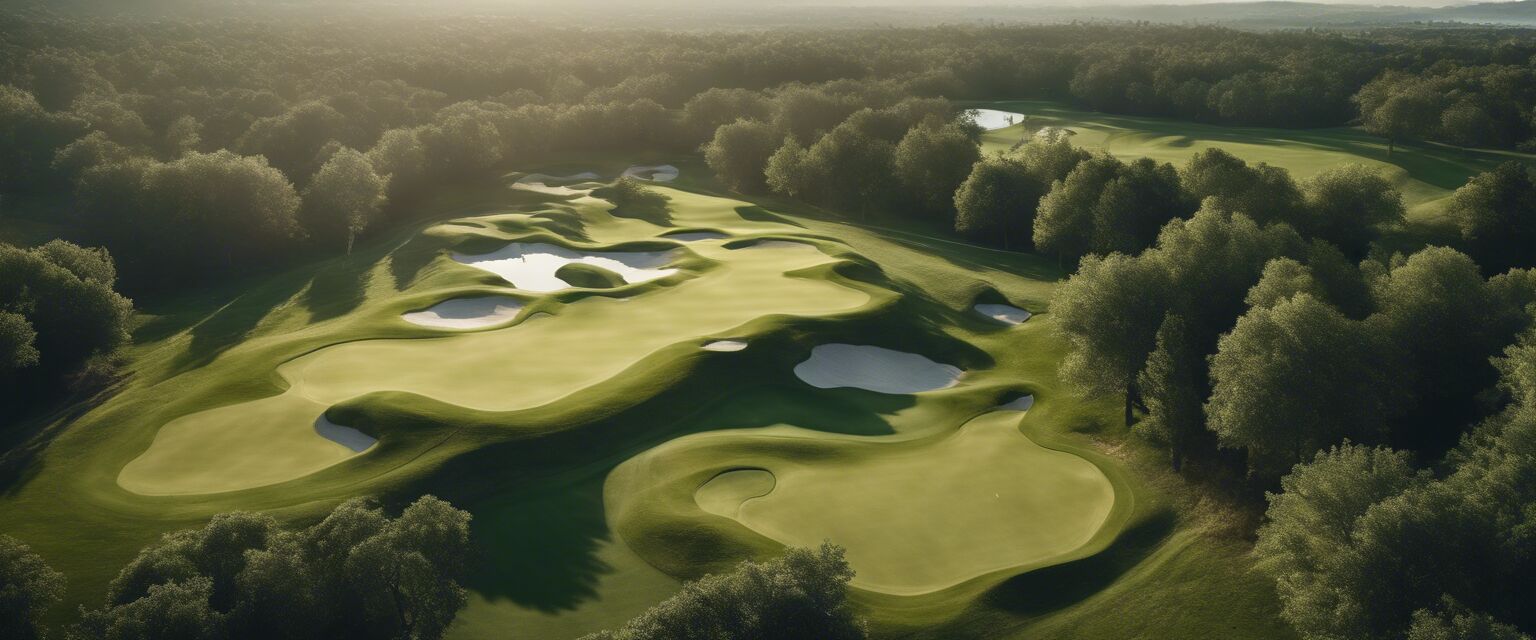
point(724, 494)
point(1021, 403)
point(992, 119)
point(695, 236)
point(1006, 314)
point(654, 173)
point(539, 183)
point(874, 369)
point(725, 345)
point(532, 266)
point(467, 313)
point(347, 437)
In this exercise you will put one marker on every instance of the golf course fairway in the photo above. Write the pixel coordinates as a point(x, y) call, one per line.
point(626, 403)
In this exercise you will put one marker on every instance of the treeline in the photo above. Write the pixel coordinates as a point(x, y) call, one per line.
point(61, 321)
point(358, 573)
point(1252, 336)
point(332, 126)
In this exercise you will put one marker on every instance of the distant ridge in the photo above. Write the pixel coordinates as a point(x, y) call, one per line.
point(1273, 14)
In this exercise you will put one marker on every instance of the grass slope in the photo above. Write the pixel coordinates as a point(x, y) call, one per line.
point(525, 425)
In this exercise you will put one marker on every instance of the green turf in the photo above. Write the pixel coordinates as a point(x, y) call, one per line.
point(963, 521)
point(1426, 173)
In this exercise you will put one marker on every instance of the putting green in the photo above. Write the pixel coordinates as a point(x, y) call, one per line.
point(916, 516)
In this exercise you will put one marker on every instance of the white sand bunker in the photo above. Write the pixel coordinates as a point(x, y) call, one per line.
point(725, 345)
point(992, 119)
point(539, 183)
point(695, 236)
point(654, 173)
point(1006, 314)
point(1021, 403)
point(532, 266)
point(874, 369)
point(467, 313)
point(347, 437)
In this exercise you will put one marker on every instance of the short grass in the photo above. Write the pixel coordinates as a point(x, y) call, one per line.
point(524, 426)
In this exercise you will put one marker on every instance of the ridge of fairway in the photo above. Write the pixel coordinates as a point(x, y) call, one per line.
point(268, 440)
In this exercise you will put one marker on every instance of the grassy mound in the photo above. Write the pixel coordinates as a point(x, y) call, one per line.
point(587, 276)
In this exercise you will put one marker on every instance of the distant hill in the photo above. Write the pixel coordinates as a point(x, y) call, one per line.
point(1278, 14)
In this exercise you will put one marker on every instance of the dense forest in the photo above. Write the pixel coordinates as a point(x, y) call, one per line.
point(1251, 323)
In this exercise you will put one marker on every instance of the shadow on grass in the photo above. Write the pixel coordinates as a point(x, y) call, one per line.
point(337, 289)
point(539, 547)
point(229, 324)
point(1056, 587)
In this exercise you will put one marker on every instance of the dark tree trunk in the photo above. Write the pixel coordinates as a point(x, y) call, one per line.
point(1130, 404)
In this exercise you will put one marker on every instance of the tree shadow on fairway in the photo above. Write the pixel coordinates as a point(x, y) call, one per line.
point(1056, 587)
point(229, 324)
point(756, 213)
point(408, 259)
point(337, 289)
point(539, 547)
point(829, 411)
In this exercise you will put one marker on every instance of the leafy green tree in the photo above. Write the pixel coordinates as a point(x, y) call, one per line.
point(790, 171)
point(1311, 526)
point(1262, 192)
point(357, 573)
point(931, 161)
point(64, 294)
point(1105, 205)
point(1459, 623)
point(1396, 106)
point(1496, 212)
point(713, 108)
point(997, 201)
point(93, 264)
point(801, 594)
point(1283, 279)
point(855, 169)
point(1437, 307)
point(1348, 205)
point(740, 151)
point(18, 344)
point(406, 573)
point(202, 214)
point(31, 137)
point(1065, 220)
point(291, 141)
point(1111, 310)
point(176, 610)
point(28, 587)
point(1173, 386)
point(1295, 377)
point(343, 198)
